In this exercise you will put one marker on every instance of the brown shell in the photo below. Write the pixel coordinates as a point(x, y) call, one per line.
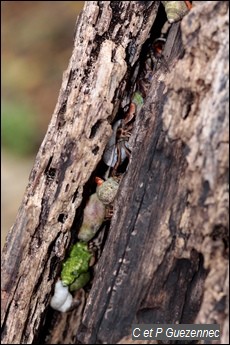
point(94, 215)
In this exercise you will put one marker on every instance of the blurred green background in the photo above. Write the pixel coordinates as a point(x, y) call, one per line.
point(37, 42)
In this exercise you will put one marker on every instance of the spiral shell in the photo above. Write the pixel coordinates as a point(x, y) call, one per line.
point(107, 191)
point(80, 282)
point(76, 264)
point(94, 215)
point(175, 10)
point(61, 299)
point(110, 153)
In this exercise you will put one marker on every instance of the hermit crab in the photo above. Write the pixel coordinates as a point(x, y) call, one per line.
point(117, 148)
point(74, 275)
point(62, 298)
point(75, 269)
point(95, 210)
point(77, 263)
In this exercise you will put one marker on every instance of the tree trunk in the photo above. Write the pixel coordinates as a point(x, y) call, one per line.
point(165, 257)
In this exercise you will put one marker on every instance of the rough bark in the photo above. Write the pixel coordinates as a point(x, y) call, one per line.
point(165, 258)
point(108, 40)
point(168, 243)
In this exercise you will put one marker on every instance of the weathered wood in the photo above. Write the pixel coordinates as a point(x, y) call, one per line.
point(140, 242)
point(165, 260)
point(109, 36)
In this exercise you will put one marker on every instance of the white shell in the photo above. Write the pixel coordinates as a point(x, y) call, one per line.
point(62, 298)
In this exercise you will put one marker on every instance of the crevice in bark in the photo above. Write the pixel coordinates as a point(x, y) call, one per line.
point(168, 235)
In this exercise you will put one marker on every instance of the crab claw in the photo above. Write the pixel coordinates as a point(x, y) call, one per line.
point(188, 4)
point(99, 181)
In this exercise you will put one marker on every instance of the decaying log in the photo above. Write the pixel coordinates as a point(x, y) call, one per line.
point(168, 243)
point(109, 36)
point(165, 257)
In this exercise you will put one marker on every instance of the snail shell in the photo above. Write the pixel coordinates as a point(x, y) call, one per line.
point(110, 153)
point(137, 99)
point(62, 299)
point(80, 282)
point(76, 264)
point(94, 214)
point(175, 10)
point(112, 159)
point(107, 191)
